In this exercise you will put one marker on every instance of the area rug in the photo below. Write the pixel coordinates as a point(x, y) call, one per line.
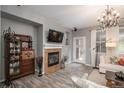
point(78, 69)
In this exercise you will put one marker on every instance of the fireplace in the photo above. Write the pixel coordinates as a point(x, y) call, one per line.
point(52, 60)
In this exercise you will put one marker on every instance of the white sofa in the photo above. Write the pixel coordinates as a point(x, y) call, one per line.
point(107, 66)
point(85, 83)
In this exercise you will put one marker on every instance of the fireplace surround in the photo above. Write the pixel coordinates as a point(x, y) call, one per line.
point(52, 60)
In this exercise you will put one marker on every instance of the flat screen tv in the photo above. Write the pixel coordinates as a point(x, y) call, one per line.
point(55, 36)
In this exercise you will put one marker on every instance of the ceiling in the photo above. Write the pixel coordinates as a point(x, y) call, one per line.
point(80, 16)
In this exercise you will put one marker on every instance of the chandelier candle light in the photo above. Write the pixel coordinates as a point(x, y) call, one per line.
point(109, 18)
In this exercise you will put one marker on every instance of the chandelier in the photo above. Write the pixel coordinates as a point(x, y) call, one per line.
point(109, 18)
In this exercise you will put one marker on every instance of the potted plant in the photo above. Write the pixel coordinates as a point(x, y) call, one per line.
point(64, 59)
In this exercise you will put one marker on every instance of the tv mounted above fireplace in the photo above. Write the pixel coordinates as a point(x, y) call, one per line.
point(55, 36)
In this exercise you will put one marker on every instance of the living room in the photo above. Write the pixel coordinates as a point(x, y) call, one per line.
point(61, 47)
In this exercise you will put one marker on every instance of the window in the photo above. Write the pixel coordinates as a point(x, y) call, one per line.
point(100, 42)
point(100, 45)
point(120, 48)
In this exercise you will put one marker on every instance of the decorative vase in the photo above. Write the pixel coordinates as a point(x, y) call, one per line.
point(40, 71)
point(39, 61)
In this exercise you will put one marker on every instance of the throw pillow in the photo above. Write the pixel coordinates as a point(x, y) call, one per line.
point(114, 59)
point(121, 61)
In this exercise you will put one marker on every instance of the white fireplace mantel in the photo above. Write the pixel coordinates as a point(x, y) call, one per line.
point(53, 46)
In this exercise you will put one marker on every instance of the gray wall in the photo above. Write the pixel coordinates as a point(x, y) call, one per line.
point(40, 37)
point(85, 32)
point(32, 16)
point(40, 41)
point(19, 28)
point(65, 49)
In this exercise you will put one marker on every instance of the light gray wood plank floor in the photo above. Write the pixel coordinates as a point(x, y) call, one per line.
point(59, 79)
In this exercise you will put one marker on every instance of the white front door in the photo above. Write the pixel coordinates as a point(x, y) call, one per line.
point(79, 49)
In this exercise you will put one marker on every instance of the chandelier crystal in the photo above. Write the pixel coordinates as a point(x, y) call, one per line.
point(109, 18)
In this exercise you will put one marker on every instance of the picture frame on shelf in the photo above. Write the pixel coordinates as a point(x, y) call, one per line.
point(25, 45)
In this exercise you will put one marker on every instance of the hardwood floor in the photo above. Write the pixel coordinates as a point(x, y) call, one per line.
point(59, 79)
point(47, 81)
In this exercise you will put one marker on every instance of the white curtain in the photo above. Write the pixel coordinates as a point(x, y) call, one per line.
point(112, 35)
point(93, 47)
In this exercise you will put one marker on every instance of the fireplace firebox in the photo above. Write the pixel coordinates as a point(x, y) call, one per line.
point(53, 58)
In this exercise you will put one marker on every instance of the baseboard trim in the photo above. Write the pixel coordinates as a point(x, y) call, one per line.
point(82, 63)
point(88, 65)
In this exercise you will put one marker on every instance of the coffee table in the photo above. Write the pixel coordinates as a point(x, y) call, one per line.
point(112, 81)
